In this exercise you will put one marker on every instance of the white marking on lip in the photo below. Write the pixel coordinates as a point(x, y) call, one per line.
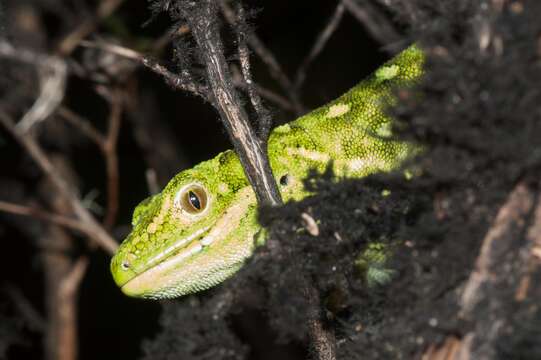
point(179, 244)
point(207, 240)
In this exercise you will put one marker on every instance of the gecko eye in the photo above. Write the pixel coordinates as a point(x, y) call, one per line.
point(192, 199)
point(125, 265)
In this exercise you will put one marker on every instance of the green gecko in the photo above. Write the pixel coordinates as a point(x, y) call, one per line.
point(203, 226)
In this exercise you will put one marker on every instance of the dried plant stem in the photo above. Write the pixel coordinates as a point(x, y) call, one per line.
point(319, 44)
point(90, 226)
point(225, 99)
point(275, 69)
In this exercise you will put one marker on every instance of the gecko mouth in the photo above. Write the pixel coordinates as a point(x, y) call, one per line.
point(182, 249)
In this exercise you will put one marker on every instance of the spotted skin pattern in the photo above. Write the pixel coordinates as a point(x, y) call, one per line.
point(177, 248)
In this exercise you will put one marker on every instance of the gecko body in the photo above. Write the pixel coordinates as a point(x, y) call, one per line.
point(202, 227)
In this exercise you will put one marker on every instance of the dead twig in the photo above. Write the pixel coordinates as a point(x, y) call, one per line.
point(92, 228)
point(108, 149)
point(52, 72)
point(225, 99)
point(275, 69)
point(107, 144)
point(70, 41)
point(503, 253)
point(178, 82)
point(40, 214)
point(175, 81)
point(497, 242)
point(28, 312)
point(532, 255)
point(82, 124)
point(67, 310)
point(319, 44)
point(264, 120)
point(377, 24)
point(265, 93)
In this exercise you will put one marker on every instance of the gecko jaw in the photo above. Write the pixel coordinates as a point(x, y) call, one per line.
point(181, 250)
point(174, 271)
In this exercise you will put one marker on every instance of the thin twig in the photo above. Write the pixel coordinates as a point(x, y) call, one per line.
point(488, 284)
point(28, 312)
point(70, 41)
point(319, 44)
point(269, 59)
point(71, 282)
point(172, 78)
point(67, 302)
point(265, 93)
point(52, 72)
point(247, 145)
point(264, 118)
point(83, 125)
point(177, 81)
point(498, 239)
point(40, 214)
point(111, 159)
point(377, 24)
point(93, 229)
point(107, 145)
point(152, 181)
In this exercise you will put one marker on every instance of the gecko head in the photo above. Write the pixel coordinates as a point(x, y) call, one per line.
point(192, 236)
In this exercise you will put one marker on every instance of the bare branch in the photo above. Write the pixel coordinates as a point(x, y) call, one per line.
point(52, 72)
point(263, 92)
point(83, 125)
point(111, 159)
point(264, 119)
point(320, 43)
point(497, 241)
point(179, 82)
point(71, 281)
point(93, 229)
point(67, 303)
point(107, 145)
point(377, 24)
point(42, 215)
point(26, 309)
point(152, 181)
point(70, 42)
point(247, 145)
point(269, 59)
point(500, 259)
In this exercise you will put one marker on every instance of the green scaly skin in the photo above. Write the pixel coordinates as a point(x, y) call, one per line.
point(201, 228)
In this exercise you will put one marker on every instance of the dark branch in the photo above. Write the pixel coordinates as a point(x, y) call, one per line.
point(377, 24)
point(269, 59)
point(320, 43)
point(183, 82)
point(264, 120)
point(206, 32)
point(92, 228)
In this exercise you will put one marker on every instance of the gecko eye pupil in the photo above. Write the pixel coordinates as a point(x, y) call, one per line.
point(192, 199)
